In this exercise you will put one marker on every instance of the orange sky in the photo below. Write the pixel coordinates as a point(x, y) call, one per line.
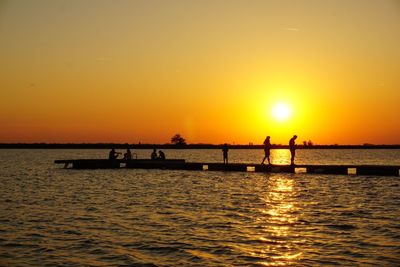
point(141, 71)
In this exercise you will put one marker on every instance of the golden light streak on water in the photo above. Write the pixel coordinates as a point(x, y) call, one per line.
point(280, 208)
point(280, 156)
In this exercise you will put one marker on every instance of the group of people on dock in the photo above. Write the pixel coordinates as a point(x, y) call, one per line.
point(267, 150)
point(113, 155)
point(161, 155)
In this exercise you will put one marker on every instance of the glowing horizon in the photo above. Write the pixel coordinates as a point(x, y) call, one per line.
point(140, 71)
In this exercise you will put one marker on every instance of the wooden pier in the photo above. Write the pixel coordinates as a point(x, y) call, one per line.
point(180, 164)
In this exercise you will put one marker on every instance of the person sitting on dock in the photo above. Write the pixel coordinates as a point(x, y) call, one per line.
point(267, 148)
point(292, 148)
point(154, 154)
point(225, 150)
point(113, 155)
point(128, 155)
point(161, 155)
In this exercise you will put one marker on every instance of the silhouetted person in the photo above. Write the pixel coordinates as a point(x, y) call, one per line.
point(161, 155)
point(154, 154)
point(267, 148)
point(225, 150)
point(113, 155)
point(292, 147)
point(128, 155)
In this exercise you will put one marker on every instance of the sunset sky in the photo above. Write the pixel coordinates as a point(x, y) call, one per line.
point(141, 71)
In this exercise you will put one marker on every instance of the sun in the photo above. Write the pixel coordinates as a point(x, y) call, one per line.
point(281, 111)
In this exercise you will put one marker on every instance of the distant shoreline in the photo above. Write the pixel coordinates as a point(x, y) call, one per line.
point(172, 146)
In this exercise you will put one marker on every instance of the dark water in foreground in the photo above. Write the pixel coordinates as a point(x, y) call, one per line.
point(55, 217)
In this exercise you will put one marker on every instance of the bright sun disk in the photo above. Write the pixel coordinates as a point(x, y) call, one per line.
point(281, 111)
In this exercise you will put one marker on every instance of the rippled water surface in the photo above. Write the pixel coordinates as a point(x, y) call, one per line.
point(56, 217)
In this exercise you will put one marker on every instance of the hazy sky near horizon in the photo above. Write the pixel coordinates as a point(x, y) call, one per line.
point(141, 71)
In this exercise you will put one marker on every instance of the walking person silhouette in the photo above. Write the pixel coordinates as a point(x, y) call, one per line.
point(267, 148)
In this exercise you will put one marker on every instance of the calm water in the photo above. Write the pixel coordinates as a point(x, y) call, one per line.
point(55, 217)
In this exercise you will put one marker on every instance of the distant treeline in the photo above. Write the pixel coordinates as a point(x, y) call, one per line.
point(173, 146)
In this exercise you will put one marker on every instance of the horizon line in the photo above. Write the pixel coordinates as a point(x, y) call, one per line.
point(170, 145)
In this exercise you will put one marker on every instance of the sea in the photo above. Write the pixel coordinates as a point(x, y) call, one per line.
point(51, 216)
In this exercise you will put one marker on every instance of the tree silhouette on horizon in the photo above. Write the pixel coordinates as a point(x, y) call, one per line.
point(177, 139)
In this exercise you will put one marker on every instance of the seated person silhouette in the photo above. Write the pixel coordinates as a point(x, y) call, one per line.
point(128, 155)
point(113, 155)
point(154, 154)
point(161, 155)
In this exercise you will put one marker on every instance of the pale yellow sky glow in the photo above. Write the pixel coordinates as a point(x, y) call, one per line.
point(141, 71)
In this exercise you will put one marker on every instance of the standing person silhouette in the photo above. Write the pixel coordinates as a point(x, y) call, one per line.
point(267, 148)
point(225, 152)
point(292, 147)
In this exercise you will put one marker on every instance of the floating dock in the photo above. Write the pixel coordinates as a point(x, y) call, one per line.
point(180, 164)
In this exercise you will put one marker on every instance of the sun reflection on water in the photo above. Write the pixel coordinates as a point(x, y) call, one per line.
point(279, 217)
point(280, 156)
